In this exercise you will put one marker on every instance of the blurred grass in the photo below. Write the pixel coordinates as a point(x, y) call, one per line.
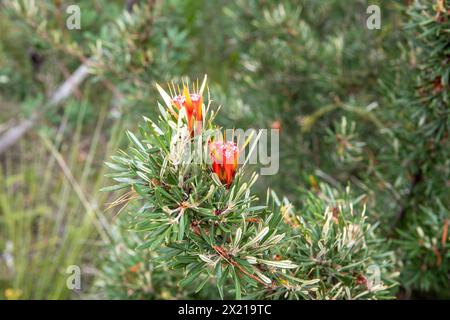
point(50, 211)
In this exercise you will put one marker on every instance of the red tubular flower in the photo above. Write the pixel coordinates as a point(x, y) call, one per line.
point(192, 103)
point(225, 160)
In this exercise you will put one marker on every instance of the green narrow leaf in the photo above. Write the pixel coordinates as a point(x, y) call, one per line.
point(115, 187)
point(182, 224)
point(237, 285)
point(135, 140)
point(201, 285)
point(193, 275)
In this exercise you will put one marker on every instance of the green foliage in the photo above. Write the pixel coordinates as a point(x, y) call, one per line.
point(359, 107)
point(211, 230)
point(424, 217)
point(131, 274)
point(303, 65)
point(307, 71)
point(186, 207)
point(334, 243)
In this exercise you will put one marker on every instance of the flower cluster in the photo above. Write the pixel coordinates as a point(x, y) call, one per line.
point(192, 103)
point(224, 155)
point(225, 160)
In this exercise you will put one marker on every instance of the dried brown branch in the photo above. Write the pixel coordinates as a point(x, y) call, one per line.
point(12, 135)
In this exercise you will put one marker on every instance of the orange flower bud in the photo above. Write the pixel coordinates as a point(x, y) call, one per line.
point(192, 103)
point(135, 268)
point(225, 160)
point(276, 125)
